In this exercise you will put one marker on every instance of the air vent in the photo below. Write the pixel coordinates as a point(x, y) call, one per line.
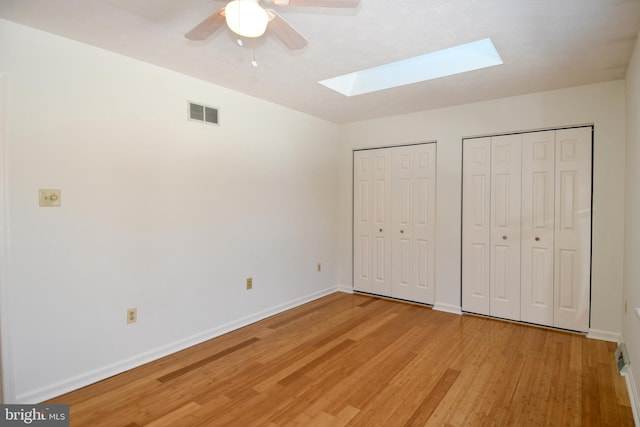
point(203, 113)
point(622, 359)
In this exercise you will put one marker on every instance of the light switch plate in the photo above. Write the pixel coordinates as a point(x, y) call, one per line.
point(638, 312)
point(49, 197)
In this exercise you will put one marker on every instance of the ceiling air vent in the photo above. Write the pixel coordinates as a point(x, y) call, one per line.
point(203, 113)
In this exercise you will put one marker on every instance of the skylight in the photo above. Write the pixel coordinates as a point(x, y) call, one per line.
point(442, 63)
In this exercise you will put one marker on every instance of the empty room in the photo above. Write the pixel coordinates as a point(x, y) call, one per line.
point(319, 212)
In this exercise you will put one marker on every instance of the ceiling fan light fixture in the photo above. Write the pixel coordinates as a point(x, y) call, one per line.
point(246, 18)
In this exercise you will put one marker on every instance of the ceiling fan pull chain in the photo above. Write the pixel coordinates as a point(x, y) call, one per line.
point(253, 61)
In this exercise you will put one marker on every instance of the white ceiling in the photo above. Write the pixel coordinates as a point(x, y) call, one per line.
point(545, 45)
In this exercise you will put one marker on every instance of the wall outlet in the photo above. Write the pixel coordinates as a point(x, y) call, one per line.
point(319, 267)
point(249, 283)
point(132, 315)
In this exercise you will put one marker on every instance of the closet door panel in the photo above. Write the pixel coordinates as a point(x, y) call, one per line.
point(476, 225)
point(413, 228)
point(362, 222)
point(505, 230)
point(372, 248)
point(537, 232)
point(424, 222)
point(402, 223)
point(573, 229)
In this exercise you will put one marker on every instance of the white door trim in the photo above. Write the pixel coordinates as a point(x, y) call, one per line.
point(6, 384)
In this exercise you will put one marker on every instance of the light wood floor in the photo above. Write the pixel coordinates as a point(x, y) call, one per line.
point(361, 361)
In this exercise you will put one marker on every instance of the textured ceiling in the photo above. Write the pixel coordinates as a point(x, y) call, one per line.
point(545, 45)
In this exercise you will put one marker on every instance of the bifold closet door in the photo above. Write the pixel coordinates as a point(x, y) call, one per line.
point(505, 226)
point(491, 226)
point(526, 218)
point(476, 224)
point(572, 276)
point(538, 231)
point(413, 222)
point(371, 220)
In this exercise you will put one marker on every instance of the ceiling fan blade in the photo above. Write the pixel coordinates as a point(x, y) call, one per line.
point(207, 27)
point(285, 32)
point(324, 3)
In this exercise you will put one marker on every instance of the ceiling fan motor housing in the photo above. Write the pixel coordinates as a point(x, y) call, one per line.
point(246, 18)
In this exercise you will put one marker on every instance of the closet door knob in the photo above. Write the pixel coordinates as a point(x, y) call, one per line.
point(401, 231)
point(537, 239)
point(380, 230)
point(504, 237)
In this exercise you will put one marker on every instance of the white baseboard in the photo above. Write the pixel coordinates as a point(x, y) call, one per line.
point(633, 395)
point(57, 389)
point(447, 308)
point(345, 289)
point(597, 334)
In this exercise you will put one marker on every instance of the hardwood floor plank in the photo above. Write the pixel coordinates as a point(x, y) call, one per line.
point(355, 360)
point(591, 392)
point(322, 420)
point(179, 416)
point(370, 300)
point(332, 352)
point(353, 365)
point(417, 377)
point(346, 415)
point(206, 360)
point(433, 399)
point(287, 318)
point(377, 361)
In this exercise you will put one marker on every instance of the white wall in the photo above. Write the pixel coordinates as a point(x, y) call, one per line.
point(600, 104)
point(631, 320)
point(159, 213)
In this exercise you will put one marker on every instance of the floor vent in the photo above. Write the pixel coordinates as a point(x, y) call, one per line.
point(622, 359)
point(203, 113)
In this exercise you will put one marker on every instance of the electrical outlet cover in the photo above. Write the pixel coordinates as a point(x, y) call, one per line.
point(132, 315)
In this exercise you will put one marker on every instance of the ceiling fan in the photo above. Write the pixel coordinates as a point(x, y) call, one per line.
point(248, 19)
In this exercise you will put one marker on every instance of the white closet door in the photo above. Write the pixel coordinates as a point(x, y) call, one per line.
point(537, 232)
point(506, 168)
point(476, 225)
point(413, 222)
point(372, 217)
point(573, 228)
